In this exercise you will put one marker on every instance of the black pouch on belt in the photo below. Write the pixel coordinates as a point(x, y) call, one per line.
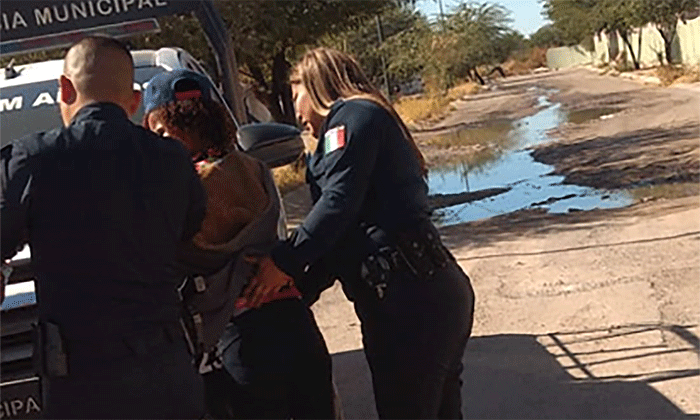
point(376, 269)
point(423, 250)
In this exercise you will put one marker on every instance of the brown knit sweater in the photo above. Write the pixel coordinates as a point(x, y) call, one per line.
point(235, 196)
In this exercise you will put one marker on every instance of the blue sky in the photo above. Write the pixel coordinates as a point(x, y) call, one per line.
point(525, 13)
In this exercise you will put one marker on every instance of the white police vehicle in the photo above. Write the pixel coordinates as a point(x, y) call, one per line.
point(29, 103)
point(29, 93)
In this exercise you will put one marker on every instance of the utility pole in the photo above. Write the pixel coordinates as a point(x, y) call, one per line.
point(442, 15)
point(386, 76)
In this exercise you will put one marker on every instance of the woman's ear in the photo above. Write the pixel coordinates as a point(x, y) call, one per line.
point(68, 92)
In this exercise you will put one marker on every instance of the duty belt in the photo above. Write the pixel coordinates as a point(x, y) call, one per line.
point(376, 268)
point(418, 251)
point(423, 250)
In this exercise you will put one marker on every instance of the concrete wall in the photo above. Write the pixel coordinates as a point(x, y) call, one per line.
point(689, 41)
point(610, 47)
point(562, 57)
point(652, 47)
point(601, 54)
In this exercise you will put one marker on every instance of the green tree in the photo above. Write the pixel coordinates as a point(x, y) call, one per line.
point(506, 44)
point(477, 32)
point(269, 34)
point(401, 52)
point(408, 50)
point(621, 16)
point(547, 36)
point(664, 15)
point(575, 20)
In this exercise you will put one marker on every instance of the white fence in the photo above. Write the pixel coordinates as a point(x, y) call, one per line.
point(610, 47)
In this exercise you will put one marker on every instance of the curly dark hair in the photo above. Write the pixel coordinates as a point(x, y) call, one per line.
point(209, 120)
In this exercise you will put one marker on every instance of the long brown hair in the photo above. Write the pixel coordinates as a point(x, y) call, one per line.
point(329, 75)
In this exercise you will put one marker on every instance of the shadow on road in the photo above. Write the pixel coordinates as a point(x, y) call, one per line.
point(518, 376)
point(626, 160)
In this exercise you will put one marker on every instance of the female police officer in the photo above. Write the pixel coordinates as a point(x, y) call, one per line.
point(370, 224)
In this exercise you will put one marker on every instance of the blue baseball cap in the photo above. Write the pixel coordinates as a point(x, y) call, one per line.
point(174, 86)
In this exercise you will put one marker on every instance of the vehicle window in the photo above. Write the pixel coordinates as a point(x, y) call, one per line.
point(33, 107)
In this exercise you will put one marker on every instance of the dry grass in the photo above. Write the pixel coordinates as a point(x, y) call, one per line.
point(525, 61)
point(432, 105)
point(691, 74)
point(678, 74)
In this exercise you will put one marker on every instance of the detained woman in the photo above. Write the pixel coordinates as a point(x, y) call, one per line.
point(266, 362)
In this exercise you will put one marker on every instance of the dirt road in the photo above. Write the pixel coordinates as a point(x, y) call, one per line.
point(589, 314)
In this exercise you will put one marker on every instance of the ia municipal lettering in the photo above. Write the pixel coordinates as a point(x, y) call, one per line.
point(65, 12)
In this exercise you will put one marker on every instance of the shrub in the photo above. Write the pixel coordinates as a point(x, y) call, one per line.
point(433, 104)
point(678, 74)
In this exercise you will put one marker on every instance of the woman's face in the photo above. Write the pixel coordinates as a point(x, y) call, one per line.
point(158, 126)
point(306, 115)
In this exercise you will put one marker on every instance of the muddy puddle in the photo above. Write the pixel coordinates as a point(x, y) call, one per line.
point(582, 115)
point(506, 164)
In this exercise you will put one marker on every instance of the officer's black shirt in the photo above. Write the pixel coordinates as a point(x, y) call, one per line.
point(103, 204)
point(374, 179)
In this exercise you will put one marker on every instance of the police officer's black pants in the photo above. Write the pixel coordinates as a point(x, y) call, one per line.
point(414, 340)
point(276, 365)
point(153, 379)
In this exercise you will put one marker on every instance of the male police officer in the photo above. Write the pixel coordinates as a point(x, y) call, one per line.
point(104, 204)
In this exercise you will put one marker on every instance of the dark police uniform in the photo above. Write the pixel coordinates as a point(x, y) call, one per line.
point(104, 204)
point(370, 227)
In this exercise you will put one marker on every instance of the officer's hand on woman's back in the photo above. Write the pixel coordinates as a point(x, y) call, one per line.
point(268, 280)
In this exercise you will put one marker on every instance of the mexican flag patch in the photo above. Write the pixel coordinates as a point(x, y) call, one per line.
point(334, 139)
